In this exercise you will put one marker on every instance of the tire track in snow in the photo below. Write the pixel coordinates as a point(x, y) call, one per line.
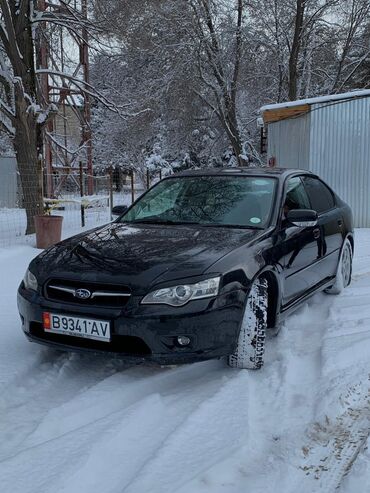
point(209, 434)
point(48, 466)
point(115, 393)
point(277, 402)
point(335, 445)
point(80, 457)
point(288, 392)
point(50, 382)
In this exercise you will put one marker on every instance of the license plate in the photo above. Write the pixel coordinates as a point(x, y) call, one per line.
point(88, 328)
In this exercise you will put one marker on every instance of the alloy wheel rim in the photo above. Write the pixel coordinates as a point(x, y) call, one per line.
point(346, 266)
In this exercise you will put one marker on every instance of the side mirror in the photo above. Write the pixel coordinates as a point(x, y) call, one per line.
point(303, 218)
point(118, 210)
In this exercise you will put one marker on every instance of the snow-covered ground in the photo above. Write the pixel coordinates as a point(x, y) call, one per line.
point(86, 424)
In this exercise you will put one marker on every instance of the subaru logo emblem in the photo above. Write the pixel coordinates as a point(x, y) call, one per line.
point(82, 294)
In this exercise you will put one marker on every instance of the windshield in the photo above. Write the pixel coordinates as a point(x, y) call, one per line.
point(207, 200)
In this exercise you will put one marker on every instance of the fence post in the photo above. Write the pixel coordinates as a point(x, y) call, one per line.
point(132, 186)
point(160, 174)
point(111, 190)
point(82, 195)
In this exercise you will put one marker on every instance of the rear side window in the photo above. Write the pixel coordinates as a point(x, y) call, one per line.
point(321, 197)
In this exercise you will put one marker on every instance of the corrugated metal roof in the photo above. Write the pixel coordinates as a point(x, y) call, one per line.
point(365, 93)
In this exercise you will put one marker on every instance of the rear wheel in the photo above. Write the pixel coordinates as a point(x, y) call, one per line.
point(344, 272)
point(251, 342)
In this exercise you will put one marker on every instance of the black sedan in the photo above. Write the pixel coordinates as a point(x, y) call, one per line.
point(204, 265)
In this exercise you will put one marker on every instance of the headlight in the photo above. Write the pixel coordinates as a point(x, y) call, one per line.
point(30, 281)
point(183, 293)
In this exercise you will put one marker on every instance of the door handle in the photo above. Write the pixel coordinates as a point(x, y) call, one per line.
point(340, 223)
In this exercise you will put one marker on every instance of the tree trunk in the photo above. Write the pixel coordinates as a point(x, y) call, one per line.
point(27, 141)
point(296, 46)
point(231, 126)
point(226, 90)
point(28, 160)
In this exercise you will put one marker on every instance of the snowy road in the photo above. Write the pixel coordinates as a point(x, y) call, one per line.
point(84, 424)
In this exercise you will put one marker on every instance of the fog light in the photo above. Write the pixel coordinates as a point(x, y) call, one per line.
point(183, 340)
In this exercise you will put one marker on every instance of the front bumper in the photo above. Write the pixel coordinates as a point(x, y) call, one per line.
point(145, 333)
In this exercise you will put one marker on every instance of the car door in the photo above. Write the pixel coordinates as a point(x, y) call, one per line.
point(298, 246)
point(330, 222)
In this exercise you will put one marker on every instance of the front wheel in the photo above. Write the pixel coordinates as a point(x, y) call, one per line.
point(344, 271)
point(251, 342)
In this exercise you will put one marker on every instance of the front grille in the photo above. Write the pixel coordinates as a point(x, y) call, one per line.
point(134, 346)
point(110, 295)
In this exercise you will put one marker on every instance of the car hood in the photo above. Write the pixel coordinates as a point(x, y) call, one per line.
point(139, 255)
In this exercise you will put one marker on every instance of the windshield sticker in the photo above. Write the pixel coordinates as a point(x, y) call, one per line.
point(255, 220)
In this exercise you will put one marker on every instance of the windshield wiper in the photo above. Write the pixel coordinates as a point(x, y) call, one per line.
point(231, 226)
point(161, 221)
point(186, 223)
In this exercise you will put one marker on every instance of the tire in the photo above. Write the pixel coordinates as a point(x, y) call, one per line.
point(344, 271)
point(251, 342)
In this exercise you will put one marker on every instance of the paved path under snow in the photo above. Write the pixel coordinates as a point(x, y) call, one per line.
point(84, 424)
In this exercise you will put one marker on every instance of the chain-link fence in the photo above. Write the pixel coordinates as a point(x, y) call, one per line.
point(79, 210)
point(83, 200)
point(70, 198)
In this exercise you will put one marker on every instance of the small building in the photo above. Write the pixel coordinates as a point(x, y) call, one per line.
point(329, 136)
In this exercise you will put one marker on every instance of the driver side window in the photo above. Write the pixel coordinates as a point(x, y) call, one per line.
point(296, 197)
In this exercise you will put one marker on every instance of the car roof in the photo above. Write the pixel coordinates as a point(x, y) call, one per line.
point(280, 173)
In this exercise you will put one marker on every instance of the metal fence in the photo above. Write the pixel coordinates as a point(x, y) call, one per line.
point(80, 210)
point(84, 201)
point(69, 203)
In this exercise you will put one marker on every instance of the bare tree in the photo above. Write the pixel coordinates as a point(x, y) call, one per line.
point(24, 110)
point(219, 59)
point(154, 67)
point(353, 41)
